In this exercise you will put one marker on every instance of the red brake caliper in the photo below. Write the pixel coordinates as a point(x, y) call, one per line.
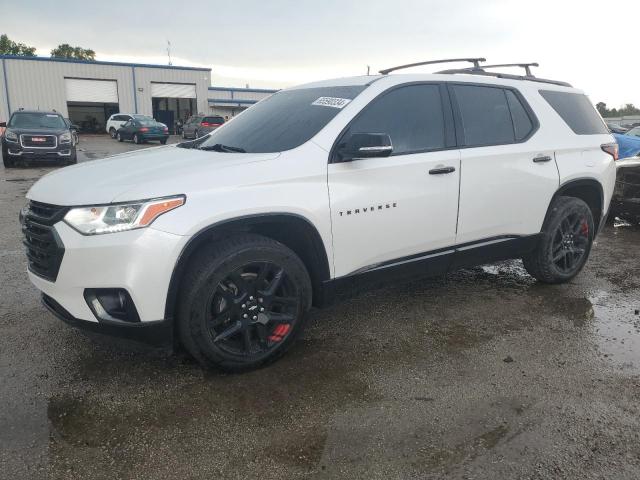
point(279, 332)
point(585, 228)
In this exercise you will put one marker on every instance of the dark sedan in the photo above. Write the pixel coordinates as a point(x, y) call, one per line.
point(141, 130)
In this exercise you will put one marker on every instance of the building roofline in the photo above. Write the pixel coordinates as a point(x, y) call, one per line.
point(238, 89)
point(96, 62)
point(234, 101)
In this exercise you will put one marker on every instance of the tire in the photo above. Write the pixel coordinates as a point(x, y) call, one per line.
point(565, 244)
point(163, 142)
point(73, 160)
point(195, 135)
point(136, 139)
point(7, 162)
point(184, 137)
point(227, 280)
point(112, 132)
point(119, 137)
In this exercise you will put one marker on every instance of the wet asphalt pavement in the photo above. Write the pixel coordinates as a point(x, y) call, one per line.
point(483, 374)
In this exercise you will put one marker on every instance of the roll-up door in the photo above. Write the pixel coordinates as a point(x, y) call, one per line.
point(173, 90)
point(91, 91)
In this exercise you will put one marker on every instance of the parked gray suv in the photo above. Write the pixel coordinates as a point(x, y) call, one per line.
point(199, 125)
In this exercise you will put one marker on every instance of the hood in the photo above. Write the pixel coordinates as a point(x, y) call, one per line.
point(148, 173)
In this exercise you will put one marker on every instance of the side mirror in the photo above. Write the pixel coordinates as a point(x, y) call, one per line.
point(3, 124)
point(364, 145)
point(74, 127)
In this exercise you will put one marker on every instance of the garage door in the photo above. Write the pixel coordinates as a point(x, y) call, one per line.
point(94, 91)
point(173, 90)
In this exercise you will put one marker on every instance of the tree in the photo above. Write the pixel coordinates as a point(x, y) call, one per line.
point(602, 108)
point(67, 51)
point(9, 47)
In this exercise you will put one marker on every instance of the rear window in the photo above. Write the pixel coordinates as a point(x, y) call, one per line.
point(218, 120)
point(577, 112)
point(486, 119)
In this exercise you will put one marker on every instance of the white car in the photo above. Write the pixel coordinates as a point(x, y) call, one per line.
point(117, 120)
point(316, 190)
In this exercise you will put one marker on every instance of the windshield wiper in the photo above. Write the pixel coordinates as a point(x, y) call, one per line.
point(218, 147)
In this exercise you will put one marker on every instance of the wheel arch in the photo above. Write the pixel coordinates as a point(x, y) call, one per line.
point(589, 190)
point(292, 230)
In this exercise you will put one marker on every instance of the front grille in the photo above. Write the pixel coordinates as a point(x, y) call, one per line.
point(43, 245)
point(39, 141)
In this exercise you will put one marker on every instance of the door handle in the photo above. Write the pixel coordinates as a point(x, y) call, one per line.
point(442, 170)
point(542, 159)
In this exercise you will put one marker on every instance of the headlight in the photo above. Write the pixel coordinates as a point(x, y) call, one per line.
point(65, 137)
point(118, 218)
point(10, 136)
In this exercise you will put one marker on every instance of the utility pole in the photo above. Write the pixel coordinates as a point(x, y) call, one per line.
point(368, 68)
point(169, 52)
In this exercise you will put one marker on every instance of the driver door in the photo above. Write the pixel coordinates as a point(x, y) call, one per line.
point(401, 209)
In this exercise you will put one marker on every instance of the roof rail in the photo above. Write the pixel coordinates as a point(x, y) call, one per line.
point(480, 70)
point(475, 61)
point(526, 66)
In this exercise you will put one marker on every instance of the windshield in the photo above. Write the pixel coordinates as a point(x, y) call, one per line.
point(634, 132)
point(36, 120)
point(284, 120)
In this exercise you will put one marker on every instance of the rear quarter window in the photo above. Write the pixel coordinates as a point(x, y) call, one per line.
point(577, 112)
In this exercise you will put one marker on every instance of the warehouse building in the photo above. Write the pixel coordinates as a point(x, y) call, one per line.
point(228, 102)
point(89, 92)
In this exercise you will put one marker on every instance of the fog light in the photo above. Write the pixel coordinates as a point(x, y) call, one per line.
point(111, 304)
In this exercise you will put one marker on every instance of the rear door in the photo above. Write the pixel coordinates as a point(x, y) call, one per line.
point(399, 210)
point(508, 176)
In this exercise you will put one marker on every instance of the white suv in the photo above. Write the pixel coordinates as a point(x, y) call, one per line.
point(117, 120)
point(230, 239)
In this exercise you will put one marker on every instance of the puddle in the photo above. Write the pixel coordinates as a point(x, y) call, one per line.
point(616, 331)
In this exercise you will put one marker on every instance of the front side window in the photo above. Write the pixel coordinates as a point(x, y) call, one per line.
point(284, 120)
point(412, 116)
point(486, 119)
point(577, 112)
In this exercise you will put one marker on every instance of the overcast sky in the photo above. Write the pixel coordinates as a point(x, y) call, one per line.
point(278, 43)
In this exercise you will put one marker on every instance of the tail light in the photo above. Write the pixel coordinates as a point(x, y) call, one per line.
point(166, 129)
point(144, 129)
point(611, 149)
point(207, 124)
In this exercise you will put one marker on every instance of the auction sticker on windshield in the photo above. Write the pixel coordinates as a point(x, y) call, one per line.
point(331, 102)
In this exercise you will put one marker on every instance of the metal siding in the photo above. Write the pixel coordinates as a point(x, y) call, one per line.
point(4, 113)
point(144, 77)
point(41, 84)
point(237, 94)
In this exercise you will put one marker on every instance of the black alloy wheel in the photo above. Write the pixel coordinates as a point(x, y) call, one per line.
point(253, 310)
point(565, 242)
point(570, 242)
point(242, 302)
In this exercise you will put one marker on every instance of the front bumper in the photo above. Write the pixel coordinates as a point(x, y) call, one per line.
point(626, 196)
point(158, 333)
point(16, 151)
point(138, 261)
